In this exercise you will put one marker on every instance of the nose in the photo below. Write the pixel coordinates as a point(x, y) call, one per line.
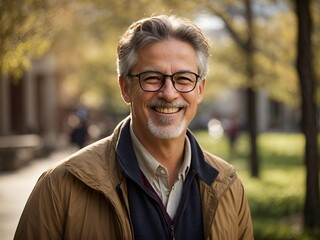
point(168, 92)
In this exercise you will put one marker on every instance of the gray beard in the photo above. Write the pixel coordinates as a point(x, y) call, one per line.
point(162, 128)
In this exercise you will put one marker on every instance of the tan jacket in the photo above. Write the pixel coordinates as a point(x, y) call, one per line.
point(78, 200)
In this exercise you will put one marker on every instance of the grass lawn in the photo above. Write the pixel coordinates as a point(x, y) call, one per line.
point(276, 198)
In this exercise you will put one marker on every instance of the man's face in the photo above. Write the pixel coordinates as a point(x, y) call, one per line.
point(164, 114)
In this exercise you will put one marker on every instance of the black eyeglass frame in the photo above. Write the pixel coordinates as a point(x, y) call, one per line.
point(164, 78)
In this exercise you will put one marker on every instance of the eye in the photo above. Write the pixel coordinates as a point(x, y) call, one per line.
point(151, 77)
point(184, 78)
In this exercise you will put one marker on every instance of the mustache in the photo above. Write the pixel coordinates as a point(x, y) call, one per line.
point(179, 103)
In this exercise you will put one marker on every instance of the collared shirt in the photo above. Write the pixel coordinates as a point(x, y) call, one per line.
point(158, 176)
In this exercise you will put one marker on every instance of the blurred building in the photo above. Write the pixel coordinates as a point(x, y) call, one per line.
point(271, 115)
point(29, 105)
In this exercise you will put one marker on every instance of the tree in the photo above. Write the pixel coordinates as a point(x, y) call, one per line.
point(246, 44)
point(309, 113)
point(24, 33)
point(251, 97)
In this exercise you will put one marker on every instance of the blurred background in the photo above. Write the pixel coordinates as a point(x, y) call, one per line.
point(59, 92)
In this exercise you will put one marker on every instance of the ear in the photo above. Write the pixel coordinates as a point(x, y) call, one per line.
point(201, 87)
point(125, 89)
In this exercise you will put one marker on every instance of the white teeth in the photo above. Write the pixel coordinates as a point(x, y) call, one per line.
point(167, 110)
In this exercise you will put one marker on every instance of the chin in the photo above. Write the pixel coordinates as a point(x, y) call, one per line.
point(166, 132)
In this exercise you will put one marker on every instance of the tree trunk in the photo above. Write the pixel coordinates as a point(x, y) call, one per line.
point(251, 95)
point(251, 108)
point(309, 114)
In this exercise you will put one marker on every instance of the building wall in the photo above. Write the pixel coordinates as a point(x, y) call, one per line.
point(29, 105)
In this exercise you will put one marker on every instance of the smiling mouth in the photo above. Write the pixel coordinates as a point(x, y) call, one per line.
point(167, 110)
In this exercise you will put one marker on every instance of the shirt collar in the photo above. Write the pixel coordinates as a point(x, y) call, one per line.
point(149, 165)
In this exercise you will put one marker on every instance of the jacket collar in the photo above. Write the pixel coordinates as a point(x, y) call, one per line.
point(130, 166)
point(206, 172)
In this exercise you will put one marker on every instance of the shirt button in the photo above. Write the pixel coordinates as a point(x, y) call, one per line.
point(162, 171)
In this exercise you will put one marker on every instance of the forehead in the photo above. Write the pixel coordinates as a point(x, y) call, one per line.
point(167, 56)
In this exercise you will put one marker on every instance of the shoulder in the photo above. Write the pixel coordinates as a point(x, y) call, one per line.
point(224, 168)
point(227, 179)
point(91, 165)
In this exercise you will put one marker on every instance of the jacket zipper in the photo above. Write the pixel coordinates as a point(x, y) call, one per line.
point(172, 237)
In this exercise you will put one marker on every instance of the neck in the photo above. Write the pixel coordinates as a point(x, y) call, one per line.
point(170, 155)
point(167, 151)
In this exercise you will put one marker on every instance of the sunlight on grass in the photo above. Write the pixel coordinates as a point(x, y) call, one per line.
point(285, 144)
point(276, 198)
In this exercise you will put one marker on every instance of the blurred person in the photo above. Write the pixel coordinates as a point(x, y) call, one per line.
point(78, 121)
point(79, 134)
point(233, 131)
point(150, 179)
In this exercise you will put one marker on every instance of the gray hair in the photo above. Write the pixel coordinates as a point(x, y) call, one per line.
point(156, 29)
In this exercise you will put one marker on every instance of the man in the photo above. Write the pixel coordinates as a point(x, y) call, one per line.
point(149, 179)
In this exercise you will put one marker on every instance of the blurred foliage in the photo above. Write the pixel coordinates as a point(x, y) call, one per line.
point(276, 58)
point(24, 33)
point(276, 198)
point(82, 35)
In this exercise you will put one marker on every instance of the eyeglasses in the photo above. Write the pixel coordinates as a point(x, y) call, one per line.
point(153, 81)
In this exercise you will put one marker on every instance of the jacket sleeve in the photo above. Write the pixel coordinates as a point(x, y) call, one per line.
point(42, 217)
point(245, 230)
